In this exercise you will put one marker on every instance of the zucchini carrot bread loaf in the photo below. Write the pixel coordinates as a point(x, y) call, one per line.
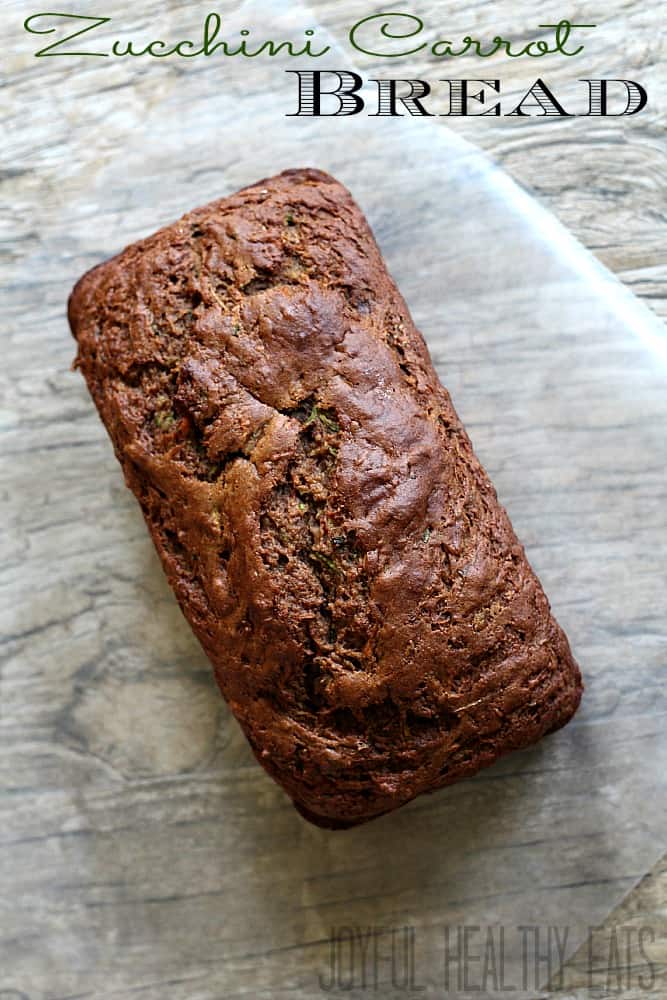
point(330, 536)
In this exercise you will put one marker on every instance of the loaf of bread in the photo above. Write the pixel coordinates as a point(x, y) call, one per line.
point(316, 504)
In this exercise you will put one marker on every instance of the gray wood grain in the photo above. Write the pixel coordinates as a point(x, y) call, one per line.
point(612, 960)
point(605, 181)
point(142, 849)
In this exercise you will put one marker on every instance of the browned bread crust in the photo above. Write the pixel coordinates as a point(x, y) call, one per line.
point(329, 534)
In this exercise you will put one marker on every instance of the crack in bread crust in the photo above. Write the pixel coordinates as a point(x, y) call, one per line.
point(332, 539)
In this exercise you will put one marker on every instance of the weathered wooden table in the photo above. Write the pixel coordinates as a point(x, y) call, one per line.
point(605, 179)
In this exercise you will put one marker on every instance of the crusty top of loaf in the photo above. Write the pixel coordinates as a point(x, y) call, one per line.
point(315, 500)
